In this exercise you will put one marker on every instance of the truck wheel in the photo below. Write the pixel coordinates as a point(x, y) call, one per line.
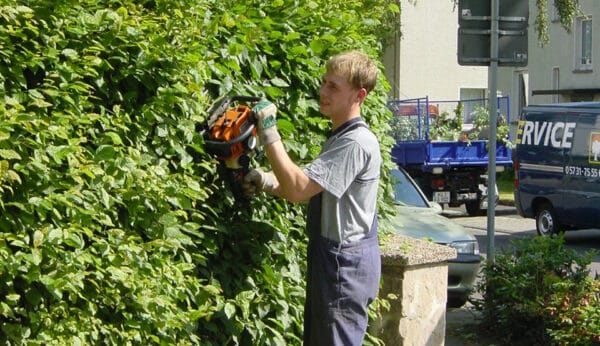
point(546, 222)
point(473, 208)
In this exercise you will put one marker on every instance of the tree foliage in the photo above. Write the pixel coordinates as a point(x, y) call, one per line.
point(115, 226)
point(567, 10)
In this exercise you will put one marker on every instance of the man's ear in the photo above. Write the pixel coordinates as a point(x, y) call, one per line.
point(361, 95)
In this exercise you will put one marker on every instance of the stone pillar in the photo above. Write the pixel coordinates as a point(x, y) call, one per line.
point(415, 280)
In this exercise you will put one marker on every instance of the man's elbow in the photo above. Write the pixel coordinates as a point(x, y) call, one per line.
point(298, 191)
point(292, 195)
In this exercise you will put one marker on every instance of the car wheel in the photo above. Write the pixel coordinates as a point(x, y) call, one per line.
point(546, 222)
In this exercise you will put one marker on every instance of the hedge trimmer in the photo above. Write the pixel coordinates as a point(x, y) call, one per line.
point(230, 135)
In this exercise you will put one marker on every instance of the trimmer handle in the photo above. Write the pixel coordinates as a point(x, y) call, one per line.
point(225, 103)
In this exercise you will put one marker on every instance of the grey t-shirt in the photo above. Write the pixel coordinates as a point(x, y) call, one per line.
point(348, 170)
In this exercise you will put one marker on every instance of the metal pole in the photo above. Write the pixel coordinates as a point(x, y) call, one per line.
point(493, 89)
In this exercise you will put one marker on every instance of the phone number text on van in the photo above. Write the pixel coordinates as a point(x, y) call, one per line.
point(587, 172)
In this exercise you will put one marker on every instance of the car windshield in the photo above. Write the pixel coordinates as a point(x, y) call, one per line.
point(405, 192)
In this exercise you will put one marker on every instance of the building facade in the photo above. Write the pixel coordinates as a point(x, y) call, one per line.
point(567, 69)
point(423, 61)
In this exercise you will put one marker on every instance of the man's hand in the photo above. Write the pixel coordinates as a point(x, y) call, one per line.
point(258, 181)
point(266, 116)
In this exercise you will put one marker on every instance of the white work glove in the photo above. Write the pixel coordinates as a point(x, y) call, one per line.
point(258, 181)
point(265, 113)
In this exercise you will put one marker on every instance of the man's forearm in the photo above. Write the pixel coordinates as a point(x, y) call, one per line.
point(293, 184)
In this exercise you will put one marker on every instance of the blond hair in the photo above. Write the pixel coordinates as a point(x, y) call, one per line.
point(359, 69)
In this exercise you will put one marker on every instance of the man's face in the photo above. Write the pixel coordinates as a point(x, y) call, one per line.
point(337, 96)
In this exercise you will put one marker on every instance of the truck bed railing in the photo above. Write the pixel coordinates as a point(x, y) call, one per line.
point(414, 145)
point(413, 118)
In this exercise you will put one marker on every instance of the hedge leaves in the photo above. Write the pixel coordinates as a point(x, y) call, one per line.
point(114, 225)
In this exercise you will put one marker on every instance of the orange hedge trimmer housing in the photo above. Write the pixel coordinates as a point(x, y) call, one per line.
point(230, 135)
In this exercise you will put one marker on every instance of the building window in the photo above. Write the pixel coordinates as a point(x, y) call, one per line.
point(583, 44)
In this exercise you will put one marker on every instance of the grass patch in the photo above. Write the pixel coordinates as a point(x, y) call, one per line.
point(506, 186)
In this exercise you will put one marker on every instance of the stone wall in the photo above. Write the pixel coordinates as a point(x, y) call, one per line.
point(415, 278)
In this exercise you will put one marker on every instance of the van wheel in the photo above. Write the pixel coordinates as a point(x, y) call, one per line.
point(546, 222)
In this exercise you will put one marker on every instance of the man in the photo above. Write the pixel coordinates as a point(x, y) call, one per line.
point(344, 265)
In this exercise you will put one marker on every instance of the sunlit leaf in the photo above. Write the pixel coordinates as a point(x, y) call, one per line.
point(9, 154)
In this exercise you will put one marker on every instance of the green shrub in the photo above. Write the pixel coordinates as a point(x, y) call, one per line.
point(481, 121)
point(114, 225)
point(405, 128)
point(573, 311)
point(539, 292)
point(447, 127)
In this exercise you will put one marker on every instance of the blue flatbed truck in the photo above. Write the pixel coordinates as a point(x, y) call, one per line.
point(449, 172)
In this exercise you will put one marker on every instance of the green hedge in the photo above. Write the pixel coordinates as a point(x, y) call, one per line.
point(114, 224)
point(538, 292)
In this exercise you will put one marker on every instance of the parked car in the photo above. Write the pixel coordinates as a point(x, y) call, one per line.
point(419, 218)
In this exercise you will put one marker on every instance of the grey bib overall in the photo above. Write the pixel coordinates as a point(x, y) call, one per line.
point(342, 279)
